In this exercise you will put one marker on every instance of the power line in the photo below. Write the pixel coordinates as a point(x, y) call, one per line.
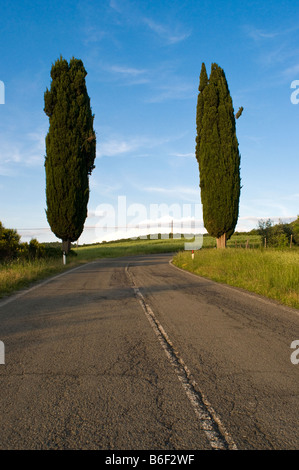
point(170, 224)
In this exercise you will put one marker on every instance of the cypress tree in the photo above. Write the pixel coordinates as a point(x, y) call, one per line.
point(70, 150)
point(203, 81)
point(217, 153)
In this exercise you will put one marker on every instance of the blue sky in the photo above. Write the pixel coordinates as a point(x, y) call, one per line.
point(143, 60)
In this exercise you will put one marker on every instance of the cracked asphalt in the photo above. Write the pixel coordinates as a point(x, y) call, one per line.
point(85, 370)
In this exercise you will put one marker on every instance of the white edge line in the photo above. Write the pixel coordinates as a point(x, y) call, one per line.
point(205, 412)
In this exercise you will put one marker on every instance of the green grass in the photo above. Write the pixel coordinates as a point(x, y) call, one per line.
point(272, 273)
point(20, 274)
point(130, 247)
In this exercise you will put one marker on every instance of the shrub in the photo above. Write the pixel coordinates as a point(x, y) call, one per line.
point(11, 248)
point(9, 243)
point(278, 235)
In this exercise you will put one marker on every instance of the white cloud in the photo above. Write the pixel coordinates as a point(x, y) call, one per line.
point(124, 70)
point(115, 147)
point(172, 34)
point(174, 91)
point(93, 35)
point(291, 72)
point(258, 34)
point(184, 155)
point(178, 193)
point(28, 150)
point(115, 6)
point(123, 74)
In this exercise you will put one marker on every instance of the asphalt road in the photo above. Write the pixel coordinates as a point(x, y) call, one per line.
point(133, 353)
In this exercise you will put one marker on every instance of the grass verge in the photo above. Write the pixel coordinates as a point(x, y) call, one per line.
point(272, 273)
point(21, 274)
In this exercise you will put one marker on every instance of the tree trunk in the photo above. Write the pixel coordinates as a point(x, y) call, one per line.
point(66, 246)
point(221, 241)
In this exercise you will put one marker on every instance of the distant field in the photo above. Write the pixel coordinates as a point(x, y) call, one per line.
point(272, 273)
point(141, 246)
point(129, 247)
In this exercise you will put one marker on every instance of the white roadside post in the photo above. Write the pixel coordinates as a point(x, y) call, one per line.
point(192, 254)
point(64, 257)
point(2, 353)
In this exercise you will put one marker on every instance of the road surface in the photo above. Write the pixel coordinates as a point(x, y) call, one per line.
point(135, 354)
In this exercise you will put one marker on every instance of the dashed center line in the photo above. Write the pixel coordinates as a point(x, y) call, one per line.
point(209, 422)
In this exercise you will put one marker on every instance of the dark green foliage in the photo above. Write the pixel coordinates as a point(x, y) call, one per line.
point(295, 230)
point(11, 247)
point(217, 154)
point(203, 82)
point(9, 243)
point(70, 149)
point(278, 235)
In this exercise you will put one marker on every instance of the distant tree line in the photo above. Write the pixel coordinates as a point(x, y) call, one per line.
point(278, 235)
point(11, 247)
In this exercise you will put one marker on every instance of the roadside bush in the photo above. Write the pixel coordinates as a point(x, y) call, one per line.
point(295, 228)
point(9, 243)
point(278, 235)
point(11, 248)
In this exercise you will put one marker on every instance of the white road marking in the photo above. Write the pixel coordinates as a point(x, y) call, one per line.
point(209, 422)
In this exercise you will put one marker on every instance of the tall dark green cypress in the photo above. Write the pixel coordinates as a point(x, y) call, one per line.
point(217, 153)
point(70, 150)
point(203, 82)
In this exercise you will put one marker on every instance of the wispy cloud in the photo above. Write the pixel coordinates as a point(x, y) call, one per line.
point(123, 74)
point(127, 75)
point(115, 6)
point(171, 34)
point(116, 147)
point(184, 155)
point(291, 72)
point(124, 70)
point(137, 146)
point(258, 34)
point(28, 151)
point(180, 193)
point(93, 34)
point(172, 91)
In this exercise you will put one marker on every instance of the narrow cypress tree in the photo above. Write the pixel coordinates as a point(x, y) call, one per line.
point(218, 155)
point(203, 82)
point(70, 150)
